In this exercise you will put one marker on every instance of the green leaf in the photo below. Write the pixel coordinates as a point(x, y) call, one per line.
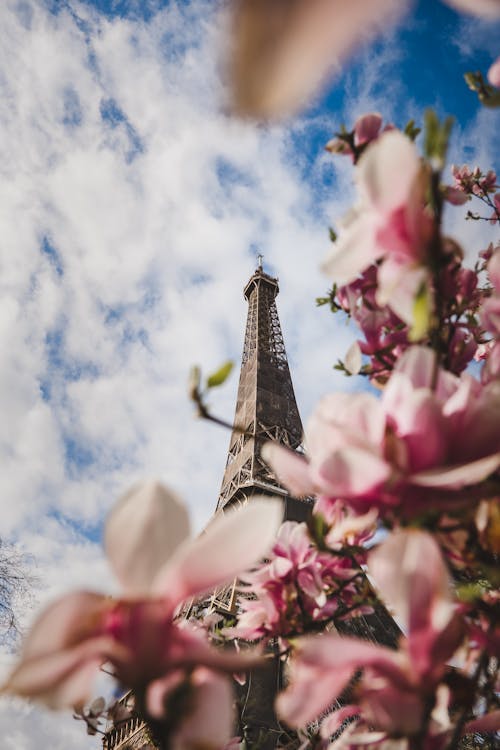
point(421, 315)
point(322, 301)
point(468, 592)
point(220, 376)
point(411, 130)
point(474, 80)
point(436, 137)
point(332, 234)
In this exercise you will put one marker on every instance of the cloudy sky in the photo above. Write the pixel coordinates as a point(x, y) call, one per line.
point(132, 210)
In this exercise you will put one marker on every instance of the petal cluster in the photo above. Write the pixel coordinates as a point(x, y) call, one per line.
point(429, 430)
point(396, 686)
point(299, 587)
point(390, 224)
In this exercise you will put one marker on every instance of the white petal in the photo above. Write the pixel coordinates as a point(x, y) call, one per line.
point(387, 170)
point(234, 542)
point(142, 532)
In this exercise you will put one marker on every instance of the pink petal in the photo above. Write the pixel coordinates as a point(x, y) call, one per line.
point(322, 667)
point(367, 127)
point(418, 364)
point(142, 532)
point(353, 359)
point(419, 594)
point(458, 476)
point(487, 723)
point(67, 621)
point(207, 721)
point(345, 418)
point(62, 678)
point(399, 285)
point(234, 542)
point(351, 472)
point(354, 250)
point(290, 468)
point(487, 8)
point(387, 171)
point(455, 196)
point(419, 423)
point(477, 431)
point(283, 50)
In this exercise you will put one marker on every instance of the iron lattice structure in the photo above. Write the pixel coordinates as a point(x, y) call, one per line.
point(266, 408)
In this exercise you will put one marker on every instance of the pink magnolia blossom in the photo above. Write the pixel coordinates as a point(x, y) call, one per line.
point(147, 545)
point(415, 446)
point(389, 224)
point(395, 687)
point(494, 73)
point(471, 182)
point(486, 8)
point(367, 128)
point(455, 196)
point(299, 585)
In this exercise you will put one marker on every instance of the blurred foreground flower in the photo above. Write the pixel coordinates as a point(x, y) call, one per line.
point(171, 667)
point(282, 51)
point(494, 74)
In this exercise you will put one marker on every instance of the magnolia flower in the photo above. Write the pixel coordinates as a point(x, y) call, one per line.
point(486, 8)
point(146, 542)
point(390, 223)
point(367, 128)
point(416, 446)
point(396, 686)
point(299, 585)
point(494, 73)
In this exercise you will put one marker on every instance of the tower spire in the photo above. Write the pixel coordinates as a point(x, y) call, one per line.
point(266, 408)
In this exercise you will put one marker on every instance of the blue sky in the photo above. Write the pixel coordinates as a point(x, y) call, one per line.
point(133, 210)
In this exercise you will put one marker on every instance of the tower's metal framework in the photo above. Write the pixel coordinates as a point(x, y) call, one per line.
point(266, 408)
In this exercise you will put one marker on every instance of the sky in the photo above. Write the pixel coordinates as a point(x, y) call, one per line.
point(132, 211)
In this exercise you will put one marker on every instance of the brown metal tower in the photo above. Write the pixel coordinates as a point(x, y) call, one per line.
point(266, 408)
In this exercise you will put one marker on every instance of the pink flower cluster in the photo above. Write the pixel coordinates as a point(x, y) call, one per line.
point(390, 226)
point(431, 440)
point(367, 129)
point(386, 336)
point(138, 635)
point(399, 693)
point(474, 182)
point(301, 586)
